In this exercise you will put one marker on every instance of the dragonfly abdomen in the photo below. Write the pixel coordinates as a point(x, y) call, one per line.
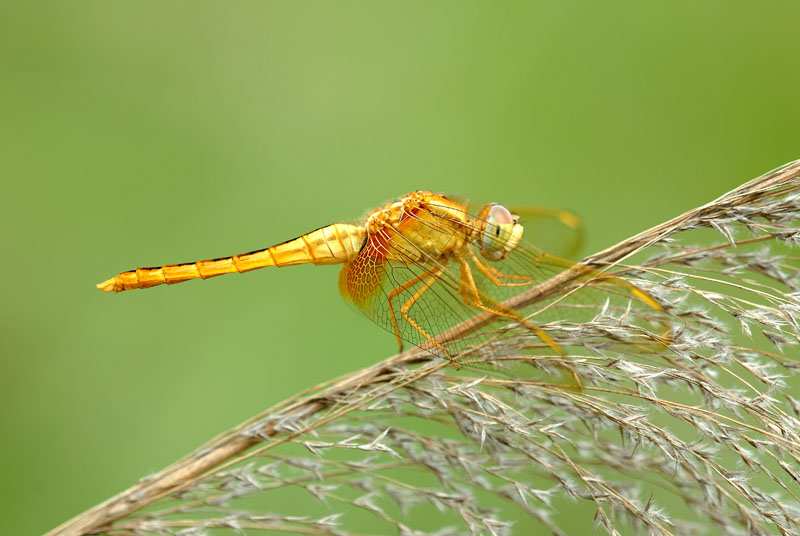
point(335, 244)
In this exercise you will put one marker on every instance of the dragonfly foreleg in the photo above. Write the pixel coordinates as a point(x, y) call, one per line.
point(494, 275)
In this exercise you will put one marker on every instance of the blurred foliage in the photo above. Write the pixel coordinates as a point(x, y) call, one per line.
point(149, 133)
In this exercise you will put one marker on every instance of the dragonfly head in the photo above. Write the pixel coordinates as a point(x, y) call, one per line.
point(500, 232)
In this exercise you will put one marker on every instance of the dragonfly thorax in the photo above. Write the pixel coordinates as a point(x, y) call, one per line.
point(420, 227)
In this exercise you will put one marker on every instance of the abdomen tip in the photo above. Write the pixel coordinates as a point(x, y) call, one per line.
point(108, 286)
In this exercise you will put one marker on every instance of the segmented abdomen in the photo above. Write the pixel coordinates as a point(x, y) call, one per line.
point(334, 244)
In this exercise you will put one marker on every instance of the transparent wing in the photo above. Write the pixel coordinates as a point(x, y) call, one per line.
point(556, 231)
point(418, 297)
point(415, 299)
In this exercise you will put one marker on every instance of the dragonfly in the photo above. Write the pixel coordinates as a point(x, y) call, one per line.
point(416, 266)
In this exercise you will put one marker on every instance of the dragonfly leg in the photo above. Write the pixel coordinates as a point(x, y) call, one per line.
point(393, 294)
point(431, 278)
point(494, 275)
point(470, 290)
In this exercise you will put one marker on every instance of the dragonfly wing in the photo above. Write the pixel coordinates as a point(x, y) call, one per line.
point(417, 297)
point(590, 294)
point(414, 299)
point(556, 231)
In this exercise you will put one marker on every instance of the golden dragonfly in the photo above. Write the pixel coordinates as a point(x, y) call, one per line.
point(416, 266)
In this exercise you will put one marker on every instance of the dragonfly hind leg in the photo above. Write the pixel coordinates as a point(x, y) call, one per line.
point(427, 281)
point(392, 295)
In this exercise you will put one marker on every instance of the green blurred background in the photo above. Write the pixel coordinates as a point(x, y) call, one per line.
point(147, 133)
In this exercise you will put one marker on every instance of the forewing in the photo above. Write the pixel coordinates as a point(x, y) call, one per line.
point(556, 231)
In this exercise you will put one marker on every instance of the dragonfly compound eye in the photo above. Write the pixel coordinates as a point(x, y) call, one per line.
point(502, 233)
